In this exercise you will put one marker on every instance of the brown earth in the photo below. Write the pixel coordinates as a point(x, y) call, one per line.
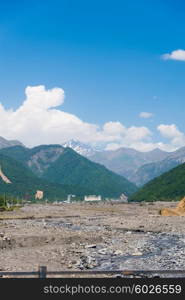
point(179, 210)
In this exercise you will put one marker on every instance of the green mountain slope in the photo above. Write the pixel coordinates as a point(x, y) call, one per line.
point(25, 183)
point(19, 153)
point(60, 165)
point(37, 158)
point(167, 187)
point(73, 169)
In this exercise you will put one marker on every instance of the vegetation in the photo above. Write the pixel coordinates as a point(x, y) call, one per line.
point(73, 169)
point(9, 203)
point(18, 153)
point(70, 173)
point(170, 186)
point(25, 184)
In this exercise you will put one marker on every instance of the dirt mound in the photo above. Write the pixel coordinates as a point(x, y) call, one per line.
point(177, 211)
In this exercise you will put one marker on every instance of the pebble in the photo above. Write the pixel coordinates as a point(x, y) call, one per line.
point(102, 251)
point(118, 252)
point(78, 251)
point(128, 232)
point(90, 246)
point(137, 253)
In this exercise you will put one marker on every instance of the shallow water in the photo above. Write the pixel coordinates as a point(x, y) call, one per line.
point(158, 252)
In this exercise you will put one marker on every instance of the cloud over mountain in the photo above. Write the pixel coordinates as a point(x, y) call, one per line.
point(171, 132)
point(39, 120)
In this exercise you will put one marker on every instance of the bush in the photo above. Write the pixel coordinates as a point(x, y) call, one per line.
point(2, 200)
point(8, 202)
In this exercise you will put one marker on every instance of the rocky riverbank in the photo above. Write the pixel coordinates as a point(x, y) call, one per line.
point(92, 236)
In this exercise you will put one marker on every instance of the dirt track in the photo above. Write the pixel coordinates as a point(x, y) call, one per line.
point(91, 236)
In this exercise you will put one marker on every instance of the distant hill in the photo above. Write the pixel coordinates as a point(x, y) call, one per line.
point(60, 165)
point(149, 171)
point(136, 166)
point(125, 161)
point(167, 187)
point(8, 143)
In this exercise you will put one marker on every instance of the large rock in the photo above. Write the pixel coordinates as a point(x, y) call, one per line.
point(177, 211)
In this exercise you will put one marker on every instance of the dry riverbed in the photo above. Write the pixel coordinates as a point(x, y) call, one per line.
point(92, 236)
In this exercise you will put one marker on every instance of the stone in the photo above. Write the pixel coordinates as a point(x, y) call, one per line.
point(70, 266)
point(78, 251)
point(102, 251)
point(137, 253)
point(118, 252)
point(90, 246)
point(88, 262)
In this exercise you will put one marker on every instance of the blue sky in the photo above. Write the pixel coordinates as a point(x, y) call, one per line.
point(106, 56)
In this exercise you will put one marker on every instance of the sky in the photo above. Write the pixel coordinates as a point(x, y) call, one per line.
point(108, 73)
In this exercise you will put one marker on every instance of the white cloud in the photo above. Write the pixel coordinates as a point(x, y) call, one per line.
point(39, 121)
point(175, 55)
point(171, 132)
point(145, 115)
point(114, 128)
point(138, 133)
point(139, 138)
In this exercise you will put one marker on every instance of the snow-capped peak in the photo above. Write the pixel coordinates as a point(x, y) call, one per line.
point(79, 147)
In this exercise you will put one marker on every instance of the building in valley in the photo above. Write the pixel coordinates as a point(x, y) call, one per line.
point(92, 198)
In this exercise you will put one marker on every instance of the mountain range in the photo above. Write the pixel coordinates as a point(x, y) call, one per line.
point(60, 170)
point(138, 167)
point(63, 167)
point(126, 161)
point(152, 170)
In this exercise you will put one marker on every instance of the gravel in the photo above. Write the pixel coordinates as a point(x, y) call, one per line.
point(96, 236)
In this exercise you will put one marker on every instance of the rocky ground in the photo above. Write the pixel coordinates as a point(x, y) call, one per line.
point(92, 236)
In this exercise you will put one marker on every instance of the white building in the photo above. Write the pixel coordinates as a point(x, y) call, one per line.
point(92, 198)
point(39, 195)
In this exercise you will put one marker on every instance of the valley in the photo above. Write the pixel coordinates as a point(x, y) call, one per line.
point(58, 171)
point(138, 167)
point(79, 170)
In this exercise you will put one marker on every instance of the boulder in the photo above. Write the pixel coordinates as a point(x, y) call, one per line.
point(179, 210)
